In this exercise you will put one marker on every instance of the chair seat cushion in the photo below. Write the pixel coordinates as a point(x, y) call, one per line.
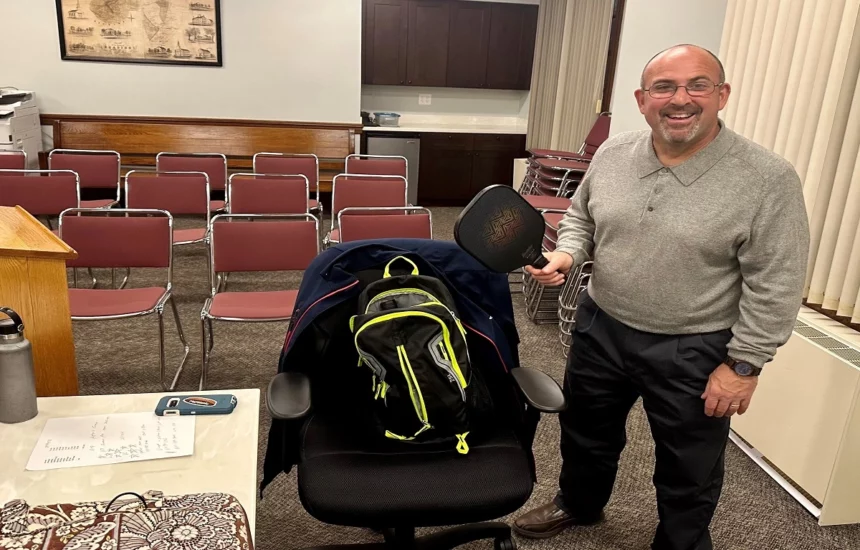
point(334, 236)
point(86, 302)
point(99, 203)
point(215, 206)
point(188, 235)
point(347, 476)
point(313, 204)
point(545, 201)
point(277, 304)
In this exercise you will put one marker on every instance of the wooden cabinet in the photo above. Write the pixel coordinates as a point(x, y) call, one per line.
point(384, 42)
point(454, 167)
point(468, 44)
point(511, 45)
point(448, 43)
point(427, 57)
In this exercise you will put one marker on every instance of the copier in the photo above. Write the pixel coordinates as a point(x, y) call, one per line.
point(20, 129)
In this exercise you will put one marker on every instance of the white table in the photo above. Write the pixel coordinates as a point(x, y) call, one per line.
point(224, 459)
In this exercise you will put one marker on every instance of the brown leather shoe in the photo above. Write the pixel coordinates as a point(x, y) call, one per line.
point(548, 521)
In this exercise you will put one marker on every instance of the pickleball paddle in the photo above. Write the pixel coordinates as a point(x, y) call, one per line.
point(500, 229)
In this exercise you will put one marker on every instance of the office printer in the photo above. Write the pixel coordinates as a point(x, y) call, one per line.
point(20, 129)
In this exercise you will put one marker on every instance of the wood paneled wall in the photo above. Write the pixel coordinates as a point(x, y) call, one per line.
point(139, 139)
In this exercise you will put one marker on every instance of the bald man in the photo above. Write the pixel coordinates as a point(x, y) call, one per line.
point(699, 239)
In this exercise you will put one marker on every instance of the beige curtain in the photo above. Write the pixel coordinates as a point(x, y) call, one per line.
point(794, 67)
point(567, 78)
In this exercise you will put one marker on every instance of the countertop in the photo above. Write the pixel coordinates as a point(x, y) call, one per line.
point(455, 124)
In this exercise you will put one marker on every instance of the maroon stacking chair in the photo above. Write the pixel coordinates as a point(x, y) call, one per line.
point(13, 160)
point(123, 238)
point(180, 193)
point(40, 192)
point(593, 140)
point(411, 222)
point(380, 165)
point(254, 243)
point(267, 193)
point(307, 165)
point(358, 190)
point(213, 165)
point(96, 170)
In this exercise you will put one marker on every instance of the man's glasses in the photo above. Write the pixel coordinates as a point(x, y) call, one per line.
point(665, 90)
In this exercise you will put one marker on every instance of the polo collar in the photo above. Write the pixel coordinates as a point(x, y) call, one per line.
point(691, 169)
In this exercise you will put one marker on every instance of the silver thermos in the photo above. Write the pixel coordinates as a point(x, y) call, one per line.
point(17, 383)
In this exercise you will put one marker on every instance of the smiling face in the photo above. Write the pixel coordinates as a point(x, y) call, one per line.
point(682, 120)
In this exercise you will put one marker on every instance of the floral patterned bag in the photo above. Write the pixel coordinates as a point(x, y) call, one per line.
point(149, 522)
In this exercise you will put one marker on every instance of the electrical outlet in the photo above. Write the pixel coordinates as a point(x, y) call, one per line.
point(424, 99)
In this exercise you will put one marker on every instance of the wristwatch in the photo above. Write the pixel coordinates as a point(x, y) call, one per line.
point(742, 368)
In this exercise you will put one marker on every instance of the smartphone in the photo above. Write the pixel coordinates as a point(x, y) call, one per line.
point(195, 404)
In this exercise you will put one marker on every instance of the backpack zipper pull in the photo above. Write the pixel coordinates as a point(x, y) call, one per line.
point(462, 446)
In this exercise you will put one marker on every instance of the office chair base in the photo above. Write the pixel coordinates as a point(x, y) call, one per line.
point(404, 539)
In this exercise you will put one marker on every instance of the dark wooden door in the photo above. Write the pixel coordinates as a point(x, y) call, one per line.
point(385, 42)
point(468, 44)
point(511, 46)
point(429, 22)
point(445, 173)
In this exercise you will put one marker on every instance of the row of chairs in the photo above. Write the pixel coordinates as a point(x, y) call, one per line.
point(238, 243)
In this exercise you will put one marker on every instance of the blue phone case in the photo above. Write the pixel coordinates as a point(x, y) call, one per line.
point(191, 404)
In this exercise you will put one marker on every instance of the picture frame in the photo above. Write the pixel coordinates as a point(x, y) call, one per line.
point(157, 32)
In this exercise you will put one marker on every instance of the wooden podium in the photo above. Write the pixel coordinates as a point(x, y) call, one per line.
point(33, 283)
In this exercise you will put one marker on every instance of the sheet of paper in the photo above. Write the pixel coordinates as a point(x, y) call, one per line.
point(110, 439)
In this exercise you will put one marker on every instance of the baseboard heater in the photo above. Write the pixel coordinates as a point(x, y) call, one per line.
point(803, 427)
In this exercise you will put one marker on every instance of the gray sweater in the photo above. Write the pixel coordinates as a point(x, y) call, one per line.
point(719, 241)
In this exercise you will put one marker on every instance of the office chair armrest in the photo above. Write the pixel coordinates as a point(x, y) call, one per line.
point(289, 396)
point(540, 390)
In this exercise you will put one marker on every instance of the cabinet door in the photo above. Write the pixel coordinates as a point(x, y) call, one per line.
point(527, 49)
point(445, 172)
point(468, 44)
point(512, 36)
point(493, 159)
point(385, 42)
point(427, 64)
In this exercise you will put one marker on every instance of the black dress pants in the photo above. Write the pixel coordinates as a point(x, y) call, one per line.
point(609, 367)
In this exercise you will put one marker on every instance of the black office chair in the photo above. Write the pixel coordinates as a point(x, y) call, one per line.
point(347, 473)
point(347, 476)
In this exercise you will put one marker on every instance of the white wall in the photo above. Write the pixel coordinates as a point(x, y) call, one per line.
point(446, 101)
point(294, 60)
point(650, 26)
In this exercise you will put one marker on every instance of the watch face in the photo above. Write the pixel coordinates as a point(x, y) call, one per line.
point(744, 369)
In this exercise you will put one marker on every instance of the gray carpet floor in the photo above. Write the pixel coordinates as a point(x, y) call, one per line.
point(120, 357)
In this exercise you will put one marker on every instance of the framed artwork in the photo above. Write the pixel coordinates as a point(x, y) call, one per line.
point(173, 32)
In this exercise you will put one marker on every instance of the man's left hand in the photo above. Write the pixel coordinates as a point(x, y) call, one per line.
point(727, 392)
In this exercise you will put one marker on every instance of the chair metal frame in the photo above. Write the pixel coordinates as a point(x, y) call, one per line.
point(405, 209)
point(204, 155)
point(178, 173)
point(215, 285)
point(166, 297)
point(259, 175)
point(319, 207)
point(568, 300)
point(334, 215)
point(95, 152)
point(535, 293)
point(17, 152)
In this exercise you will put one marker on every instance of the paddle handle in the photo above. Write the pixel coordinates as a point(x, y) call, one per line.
point(540, 262)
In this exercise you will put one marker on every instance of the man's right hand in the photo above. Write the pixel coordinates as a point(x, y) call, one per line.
point(552, 274)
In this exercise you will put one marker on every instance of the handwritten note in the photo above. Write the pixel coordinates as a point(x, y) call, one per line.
point(110, 439)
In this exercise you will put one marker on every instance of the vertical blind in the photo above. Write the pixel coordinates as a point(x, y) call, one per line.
point(567, 75)
point(794, 66)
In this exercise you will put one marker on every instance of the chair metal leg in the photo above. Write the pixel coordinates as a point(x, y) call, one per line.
point(206, 347)
point(182, 339)
point(125, 279)
point(95, 281)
